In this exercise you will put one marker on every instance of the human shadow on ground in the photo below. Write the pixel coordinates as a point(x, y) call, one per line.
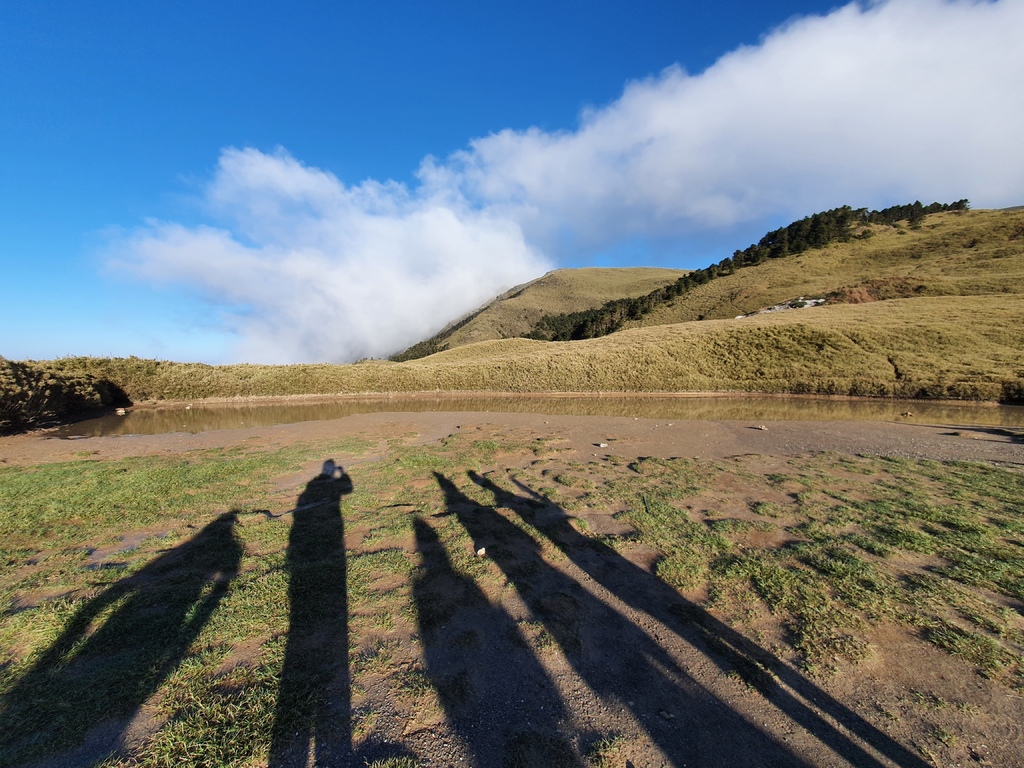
point(313, 717)
point(116, 651)
point(618, 660)
point(792, 693)
point(495, 694)
point(314, 694)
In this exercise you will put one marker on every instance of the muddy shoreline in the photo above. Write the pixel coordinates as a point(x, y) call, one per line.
point(623, 436)
point(443, 394)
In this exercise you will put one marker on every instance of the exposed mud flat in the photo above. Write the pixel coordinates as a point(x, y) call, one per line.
point(623, 436)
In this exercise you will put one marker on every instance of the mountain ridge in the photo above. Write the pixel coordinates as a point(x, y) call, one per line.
point(516, 311)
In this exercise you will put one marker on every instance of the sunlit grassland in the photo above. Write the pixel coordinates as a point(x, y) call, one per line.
point(933, 347)
point(805, 561)
point(928, 545)
point(945, 346)
point(809, 560)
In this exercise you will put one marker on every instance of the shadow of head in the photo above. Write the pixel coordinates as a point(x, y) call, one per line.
point(332, 482)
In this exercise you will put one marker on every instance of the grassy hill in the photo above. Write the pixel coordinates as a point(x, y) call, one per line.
point(972, 253)
point(933, 311)
point(516, 312)
point(959, 347)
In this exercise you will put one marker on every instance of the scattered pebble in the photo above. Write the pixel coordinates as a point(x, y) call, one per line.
point(602, 445)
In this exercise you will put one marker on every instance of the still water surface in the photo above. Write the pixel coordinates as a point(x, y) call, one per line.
point(207, 417)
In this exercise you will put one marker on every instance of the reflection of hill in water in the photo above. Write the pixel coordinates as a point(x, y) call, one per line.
point(211, 417)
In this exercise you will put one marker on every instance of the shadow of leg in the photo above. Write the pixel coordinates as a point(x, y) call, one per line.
point(314, 695)
point(616, 658)
point(482, 668)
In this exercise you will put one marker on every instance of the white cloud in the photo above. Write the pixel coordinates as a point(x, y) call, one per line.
point(312, 270)
point(869, 105)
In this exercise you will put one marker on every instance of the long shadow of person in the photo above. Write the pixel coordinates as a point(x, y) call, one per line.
point(481, 667)
point(617, 659)
point(315, 691)
point(793, 694)
point(116, 651)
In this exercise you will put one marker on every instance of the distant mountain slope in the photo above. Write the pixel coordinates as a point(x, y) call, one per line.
point(929, 309)
point(516, 312)
point(967, 253)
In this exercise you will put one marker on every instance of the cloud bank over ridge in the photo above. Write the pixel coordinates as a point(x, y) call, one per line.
point(868, 105)
point(310, 270)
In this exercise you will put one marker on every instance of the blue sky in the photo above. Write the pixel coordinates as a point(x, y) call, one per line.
point(322, 181)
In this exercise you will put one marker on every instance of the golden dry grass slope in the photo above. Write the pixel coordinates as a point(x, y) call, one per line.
point(964, 347)
point(932, 311)
point(962, 253)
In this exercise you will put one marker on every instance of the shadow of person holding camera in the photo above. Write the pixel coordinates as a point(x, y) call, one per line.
point(315, 690)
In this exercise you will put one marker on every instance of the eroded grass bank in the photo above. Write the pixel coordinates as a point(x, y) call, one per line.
point(172, 604)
